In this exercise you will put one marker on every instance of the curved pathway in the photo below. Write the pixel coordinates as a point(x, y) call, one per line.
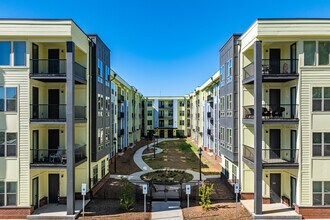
point(135, 177)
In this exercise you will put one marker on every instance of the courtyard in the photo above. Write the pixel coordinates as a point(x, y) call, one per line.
point(174, 154)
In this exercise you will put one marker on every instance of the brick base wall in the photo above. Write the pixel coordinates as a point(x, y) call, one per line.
point(313, 212)
point(245, 196)
point(15, 212)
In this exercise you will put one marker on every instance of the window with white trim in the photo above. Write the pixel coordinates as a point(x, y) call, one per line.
point(8, 144)
point(8, 99)
point(95, 174)
point(321, 99)
point(229, 139)
point(321, 144)
point(18, 48)
point(8, 193)
point(103, 168)
point(321, 192)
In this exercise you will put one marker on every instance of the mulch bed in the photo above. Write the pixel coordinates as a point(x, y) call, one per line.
point(111, 209)
point(125, 163)
point(220, 210)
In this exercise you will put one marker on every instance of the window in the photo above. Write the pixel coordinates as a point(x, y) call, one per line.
point(95, 174)
point(19, 53)
point(181, 122)
point(181, 103)
point(8, 193)
point(229, 103)
point(324, 52)
point(226, 171)
point(321, 144)
point(8, 97)
point(170, 113)
point(100, 102)
point(107, 73)
point(222, 75)
point(229, 137)
point(309, 53)
point(321, 98)
point(181, 113)
point(170, 122)
point(107, 105)
point(100, 136)
point(222, 135)
point(5, 53)
point(8, 144)
point(321, 192)
point(99, 71)
point(149, 113)
point(103, 168)
point(229, 73)
point(107, 134)
point(149, 103)
point(149, 122)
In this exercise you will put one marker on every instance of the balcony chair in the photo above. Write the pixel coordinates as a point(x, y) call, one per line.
point(265, 112)
point(58, 156)
point(278, 113)
point(251, 113)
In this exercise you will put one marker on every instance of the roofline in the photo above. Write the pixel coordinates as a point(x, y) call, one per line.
point(281, 19)
point(45, 19)
point(231, 36)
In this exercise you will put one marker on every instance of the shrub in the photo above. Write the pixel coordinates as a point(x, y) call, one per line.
point(204, 194)
point(126, 198)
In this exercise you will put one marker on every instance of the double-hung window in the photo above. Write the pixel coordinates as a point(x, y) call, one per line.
point(309, 53)
point(8, 144)
point(321, 144)
point(8, 193)
point(8, 99)
point(5, 49)
point(321, 192)
point(18, 48)
point(321, 98)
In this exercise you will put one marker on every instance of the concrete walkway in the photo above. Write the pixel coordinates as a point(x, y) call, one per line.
point(166, 210)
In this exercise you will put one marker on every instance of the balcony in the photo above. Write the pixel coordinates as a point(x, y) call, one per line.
point(209, 131)
point(274, 158)
point(120, 132)
point(169, 106)
point(56, 157)
point(121, 98)
point(55, 113)
point(209, 98)
point(273, 114)
point(209, 114)
point(121, 115)
point(282, 70)
point(54, 70)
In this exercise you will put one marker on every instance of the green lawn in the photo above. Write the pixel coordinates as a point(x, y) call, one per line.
point(179, 154)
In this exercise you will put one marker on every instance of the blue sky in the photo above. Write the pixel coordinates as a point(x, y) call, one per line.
point(164, 47)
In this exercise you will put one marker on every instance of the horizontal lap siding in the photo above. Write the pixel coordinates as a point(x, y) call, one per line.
point(309, 78)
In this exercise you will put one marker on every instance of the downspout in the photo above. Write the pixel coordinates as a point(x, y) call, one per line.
point(239, 113)
point(91, 44)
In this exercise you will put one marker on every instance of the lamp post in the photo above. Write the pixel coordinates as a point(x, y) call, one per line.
point(114, 143)
point(200, 163)
point(154, 145)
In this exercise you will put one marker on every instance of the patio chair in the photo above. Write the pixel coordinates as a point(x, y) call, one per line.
point(278, 113)
point(265, 112)
point(250, 113)
point(58, 156)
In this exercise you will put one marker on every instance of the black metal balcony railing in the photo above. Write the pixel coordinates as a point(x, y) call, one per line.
point(55, 112)
point(121, 115)
point(56, 156)
point(273, 112)
point(55, 68)
point(209, 114)
point(275, 67)
point(209, 98)
point(121, 98)
point(272, 156)
point(121, 132)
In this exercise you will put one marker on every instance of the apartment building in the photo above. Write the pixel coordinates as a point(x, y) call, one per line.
point(196, 116)
point(59, 109)
point(165, 116)
point(99, 113)
point(127, 114)
point(44, 93)
point(227, 91)
point(284, 118)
